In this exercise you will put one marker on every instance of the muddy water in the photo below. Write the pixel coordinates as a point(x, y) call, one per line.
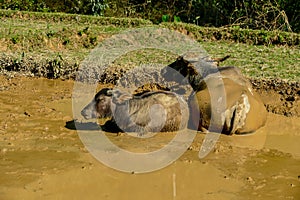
point(41, 158)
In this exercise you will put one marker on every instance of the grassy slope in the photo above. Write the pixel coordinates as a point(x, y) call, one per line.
point(258, 61)
point(64, 37)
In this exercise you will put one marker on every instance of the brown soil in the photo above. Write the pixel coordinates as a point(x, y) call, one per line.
point(40, 158)
point(279, 96)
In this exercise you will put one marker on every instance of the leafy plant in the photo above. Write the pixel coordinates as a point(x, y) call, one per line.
point(165, 18)
point(97, 7)
point(177, 19)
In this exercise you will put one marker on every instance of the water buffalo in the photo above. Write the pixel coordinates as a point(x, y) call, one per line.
point(244, 111)
point(151, 112)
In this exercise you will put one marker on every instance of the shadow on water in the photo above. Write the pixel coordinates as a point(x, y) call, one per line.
point(109, 126)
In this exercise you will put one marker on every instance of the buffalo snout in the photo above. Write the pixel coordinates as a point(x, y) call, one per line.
point(89, 111)
point(100, 106)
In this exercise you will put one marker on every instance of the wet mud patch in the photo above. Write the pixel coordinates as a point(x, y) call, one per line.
point(42, 157)
point(263, 173)
point(271, 174)
point(19, 167)
point(33, 141)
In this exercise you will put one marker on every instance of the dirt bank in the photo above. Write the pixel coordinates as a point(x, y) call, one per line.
point(279, 96)
point(41, 158)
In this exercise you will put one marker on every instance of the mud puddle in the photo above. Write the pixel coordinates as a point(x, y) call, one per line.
point(41, 158)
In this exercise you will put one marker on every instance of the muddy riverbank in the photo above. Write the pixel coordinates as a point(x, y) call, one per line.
point(42, 158)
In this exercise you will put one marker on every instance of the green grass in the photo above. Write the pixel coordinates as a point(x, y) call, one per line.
point(258, 61)
point(236, 34)
point(28, 35)
point(40, 37)
point(73, 18)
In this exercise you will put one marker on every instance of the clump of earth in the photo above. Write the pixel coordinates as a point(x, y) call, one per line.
point(280, 97)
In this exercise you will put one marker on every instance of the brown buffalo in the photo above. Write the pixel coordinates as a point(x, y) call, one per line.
point(244, 111)
point(150, 112)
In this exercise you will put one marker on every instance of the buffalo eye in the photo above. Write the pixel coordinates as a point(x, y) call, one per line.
point(100, 100)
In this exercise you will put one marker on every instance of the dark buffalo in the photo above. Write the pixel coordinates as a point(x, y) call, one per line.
point(244, 111)
point(150, 112)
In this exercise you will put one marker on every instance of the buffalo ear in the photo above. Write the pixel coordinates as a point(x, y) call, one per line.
point(109, 92)
point(120, 97)
point(179, 58)
point(191, 70)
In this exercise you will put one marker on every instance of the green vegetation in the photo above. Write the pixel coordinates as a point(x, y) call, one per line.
point(236, 34)
point(73, 18)
point(258, 61)
point(53, 44)
point(281, 15)
point(88, 7)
